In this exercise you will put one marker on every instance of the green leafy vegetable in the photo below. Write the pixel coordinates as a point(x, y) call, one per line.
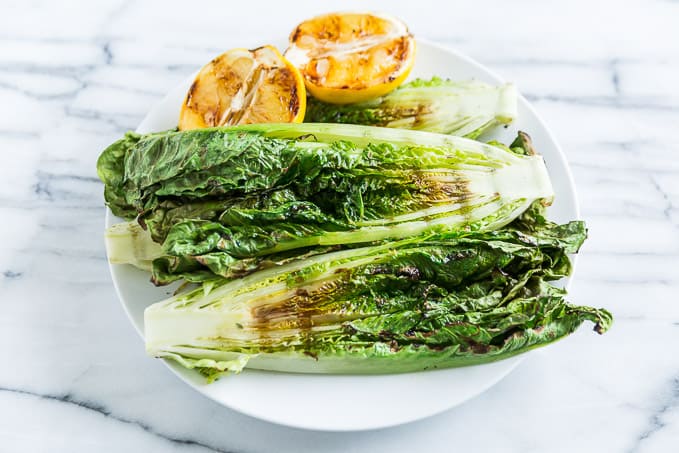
point(458, 108)
point(441, 300)
point(341, 248)
point(229, 194)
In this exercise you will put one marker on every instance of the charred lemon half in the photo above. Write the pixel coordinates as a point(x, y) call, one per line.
point(244, 86)
point(351, 57)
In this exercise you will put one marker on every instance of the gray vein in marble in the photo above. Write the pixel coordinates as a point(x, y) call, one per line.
point(96, 114)
point(613, 102)
point(669, 207)
point(80, 70)
point(615, 76)
point(56, 189)
point(65, 176)
point(48, 40)
point(630, 212)
point(628, 145)
point(655, 421)
point(106, 118)
point(80, 255)
point(108, 54)
point(187, 69)
point(61, 70)
point(43, 97)
point(40, 205)
point(59, 227)
point(629, 281)
point(589, 166)
point(619, 318)
point(4, 133)
point(631, 254)
point(9, 274)
point(126, 89)
point(69, 398)
point(59, 160)
point(586, 63)
point(42, 190)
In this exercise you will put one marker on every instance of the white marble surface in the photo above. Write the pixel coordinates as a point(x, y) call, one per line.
point(75, 75)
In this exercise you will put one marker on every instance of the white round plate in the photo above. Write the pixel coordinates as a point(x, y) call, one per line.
point(347, 403)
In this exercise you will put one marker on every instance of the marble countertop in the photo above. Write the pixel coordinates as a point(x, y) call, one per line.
point(75, 75)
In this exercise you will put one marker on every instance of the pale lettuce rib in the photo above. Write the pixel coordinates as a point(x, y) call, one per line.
point(461, 108)
point(129, 243)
